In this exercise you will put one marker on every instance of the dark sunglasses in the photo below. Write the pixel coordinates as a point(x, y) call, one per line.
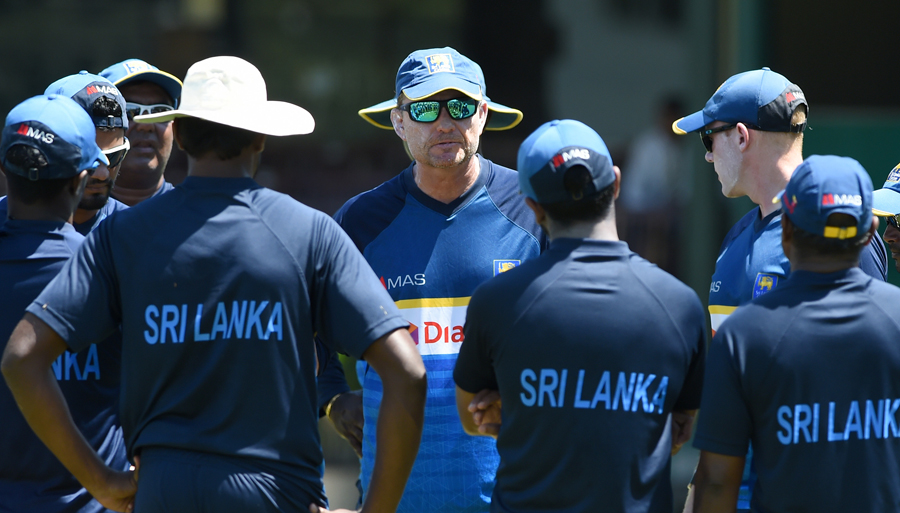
point(117, 155)
point(137, 109)
point(705, 135)
point(893, 220)
point(428, 111)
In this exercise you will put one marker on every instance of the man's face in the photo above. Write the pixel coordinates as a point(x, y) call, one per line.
point(151, 143)
point(100, 184)
point(726, 159)
point(445, 142)
point(892, 239)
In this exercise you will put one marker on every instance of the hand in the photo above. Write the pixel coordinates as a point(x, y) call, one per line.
point(346, 415)
point(119, 489)
point(682, 422)
point(486, 409)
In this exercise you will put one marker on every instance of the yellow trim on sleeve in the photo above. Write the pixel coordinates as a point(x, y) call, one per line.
point(719, 309)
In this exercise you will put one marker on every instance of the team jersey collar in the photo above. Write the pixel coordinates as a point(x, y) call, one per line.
point(810, 278)
point(448, 209)
point(204, 183)
point(17, 226)
point(613, 248)
point(759, 224)
point(28, 240)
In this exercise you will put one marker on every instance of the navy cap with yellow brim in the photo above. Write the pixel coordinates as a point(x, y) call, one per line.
point(136, 70)
point(886, 201)
point(427, 72)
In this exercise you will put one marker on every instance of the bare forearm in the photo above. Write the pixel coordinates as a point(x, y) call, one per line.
point(38, 396)
point(716, 483)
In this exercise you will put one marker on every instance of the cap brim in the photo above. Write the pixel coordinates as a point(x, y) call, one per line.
point(885, 202)
point(270, 118)
point(502, 117)
point(168, 82)
point(691, 123)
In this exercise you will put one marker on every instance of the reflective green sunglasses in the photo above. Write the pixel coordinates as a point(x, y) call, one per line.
point(428, 111)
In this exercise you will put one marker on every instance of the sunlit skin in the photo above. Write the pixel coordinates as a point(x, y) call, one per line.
point(726, 160)
point(99, 185)
point(151, 146)
point(892, 239)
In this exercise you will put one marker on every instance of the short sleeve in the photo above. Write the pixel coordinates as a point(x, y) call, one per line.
point(81, 304)
point(351, 308)
point(725, 425)
point(690, 396)
point(474, 369)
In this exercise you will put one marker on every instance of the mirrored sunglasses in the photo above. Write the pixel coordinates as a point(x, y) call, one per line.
point(893, 220)
point(429, 110)
point(138, 109)
point(707, 140)
point(117, 155)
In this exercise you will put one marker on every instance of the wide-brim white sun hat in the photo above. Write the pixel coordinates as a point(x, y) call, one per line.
point(231, 91)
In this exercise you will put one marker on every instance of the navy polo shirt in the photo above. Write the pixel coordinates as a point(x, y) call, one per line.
point(220, 286)
point(591, 347)
point(809, 374)
point(31, 478)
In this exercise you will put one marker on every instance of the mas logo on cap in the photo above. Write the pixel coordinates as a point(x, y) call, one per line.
point(501, 266)
point(573, 153)
point(765, 282)
point(440, 63)
point(894, 175)
point(36, 133)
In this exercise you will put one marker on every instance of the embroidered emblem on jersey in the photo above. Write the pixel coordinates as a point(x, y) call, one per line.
point(436, 325)
point(894, 175)
point(440, 62)
point(501, 266)
point(764, 283)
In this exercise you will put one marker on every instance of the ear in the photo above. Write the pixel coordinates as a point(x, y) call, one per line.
point(744, 137)
point(397, 123)
point(481, 117)
point(618, 183)
point(540, 215)
point(177, 137)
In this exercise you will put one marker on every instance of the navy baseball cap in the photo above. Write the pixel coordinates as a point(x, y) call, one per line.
point(761, 99)
point(886, 201)
point(427, 72)
point(85, 88)
point(823, 185)
point(554, 148)
point(57, 127)
point(136, 70)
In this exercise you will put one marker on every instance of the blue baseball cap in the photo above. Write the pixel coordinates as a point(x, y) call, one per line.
point(823, 185)
point(136, 70)
point(57, 127)
point(427, 72)
point(761, 99)
point(554, 148)
point(85, 88)
point(886, 201)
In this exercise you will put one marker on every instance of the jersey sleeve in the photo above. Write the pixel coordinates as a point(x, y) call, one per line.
point(351, 309)
point(691, 391)
point(81, 304)
point(474, 369)
point(724, 425)
point(873, 259)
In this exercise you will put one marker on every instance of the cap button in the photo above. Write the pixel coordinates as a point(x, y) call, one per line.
point(767, 68)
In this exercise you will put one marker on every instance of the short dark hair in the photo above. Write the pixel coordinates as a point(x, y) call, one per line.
point(25, 190)
point(812, 244)
point(104, 107)
point(591, 208)
point(199, 137)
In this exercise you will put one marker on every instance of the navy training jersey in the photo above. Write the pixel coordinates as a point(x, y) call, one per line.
point(430, 257)
point(591, 347)
point(808, 375)
point(31, 478)
point(751, 263)
point(234, 280)
point(112, 206)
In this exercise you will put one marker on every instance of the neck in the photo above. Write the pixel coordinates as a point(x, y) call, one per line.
point(210, 166)
point(80, 216)
point(773, 178)
point(823, 266)
point(447, 184)
point(603, 230)
point(133, 196)
point(54, 211)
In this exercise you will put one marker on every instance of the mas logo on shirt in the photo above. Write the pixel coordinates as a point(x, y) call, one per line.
point(440, 62)
point(501, 266)
point(764, 283)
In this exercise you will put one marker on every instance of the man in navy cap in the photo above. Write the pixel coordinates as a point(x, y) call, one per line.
point(444, 225)
point(47, 152)
point(589, 336)
point(886, 203)
point(808, 372)
point(147, 90)
point(752, 130)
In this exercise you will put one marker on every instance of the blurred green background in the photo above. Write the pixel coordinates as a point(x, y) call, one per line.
point(608, 63)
